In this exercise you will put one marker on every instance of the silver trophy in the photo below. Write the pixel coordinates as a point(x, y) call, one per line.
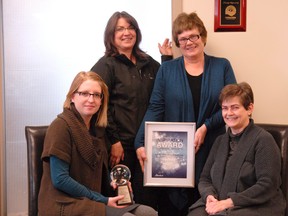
point(120, 175)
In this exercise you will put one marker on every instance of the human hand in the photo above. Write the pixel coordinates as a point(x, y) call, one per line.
point(210, 199)
point(166, 47)
point(199, 137)
point(112, 201)
point(141, 155)
point(117, 154)
point(213, 207)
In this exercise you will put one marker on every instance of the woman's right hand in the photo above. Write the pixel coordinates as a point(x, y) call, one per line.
point(117, 154)
point(141, 155)
point(210, 199)
point(112, 201)
point(213, 205)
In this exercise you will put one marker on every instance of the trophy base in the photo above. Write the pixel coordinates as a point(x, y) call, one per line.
point(124, 190)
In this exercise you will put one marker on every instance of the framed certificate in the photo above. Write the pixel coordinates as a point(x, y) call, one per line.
point(170, 154)
point(230, 15)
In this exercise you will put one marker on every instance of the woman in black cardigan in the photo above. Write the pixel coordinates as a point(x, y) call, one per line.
point(242, 175)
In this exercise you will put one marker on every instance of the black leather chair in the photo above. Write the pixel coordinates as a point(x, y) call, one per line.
point(280, 134)
point(35, 139)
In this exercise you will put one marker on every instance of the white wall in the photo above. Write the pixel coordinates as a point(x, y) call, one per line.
point(46, 43)
point(2, 156)
point(259, 55)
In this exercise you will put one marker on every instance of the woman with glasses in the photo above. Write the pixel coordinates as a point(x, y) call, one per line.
point(242, 175)
point(75, 158)
point(186, 89)
point(129, 74)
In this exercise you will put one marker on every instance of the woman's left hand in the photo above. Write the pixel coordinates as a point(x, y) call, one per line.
point(166, 47)
point(199, 137)
point(218, 206)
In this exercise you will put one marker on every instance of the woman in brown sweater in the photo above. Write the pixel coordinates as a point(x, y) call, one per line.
point(75, 160)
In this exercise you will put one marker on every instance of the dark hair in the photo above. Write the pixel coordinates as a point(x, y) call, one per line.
point(243, 90)
point(109, 34)
point(185, 22)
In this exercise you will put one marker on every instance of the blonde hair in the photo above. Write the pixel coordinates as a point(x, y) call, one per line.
point(78, 80)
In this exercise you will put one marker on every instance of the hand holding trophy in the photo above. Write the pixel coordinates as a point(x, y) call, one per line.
point(120, 175)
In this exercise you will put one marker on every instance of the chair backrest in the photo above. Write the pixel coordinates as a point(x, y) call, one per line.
point(280, 134)
point(35, 139)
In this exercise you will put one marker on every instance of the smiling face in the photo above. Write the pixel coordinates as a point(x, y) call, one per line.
point(235, 115)
point(87, 106)
point(125, 36)
point(191, 49)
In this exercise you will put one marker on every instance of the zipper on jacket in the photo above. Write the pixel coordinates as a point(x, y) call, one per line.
point(139, 71)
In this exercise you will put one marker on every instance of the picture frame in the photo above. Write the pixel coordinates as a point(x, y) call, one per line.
point(170, 154)
point(230, 15)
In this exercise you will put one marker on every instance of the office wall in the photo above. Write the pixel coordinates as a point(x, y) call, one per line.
point(259, 56)
point(46, 43)
point(2, 156)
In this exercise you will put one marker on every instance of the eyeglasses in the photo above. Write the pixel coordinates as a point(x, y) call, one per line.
point(191, 38)
point(122, 29)
point(86, 95)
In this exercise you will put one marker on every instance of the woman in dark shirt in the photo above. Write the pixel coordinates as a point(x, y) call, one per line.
point(242, 175)
point(129, 74)
point(186, 89)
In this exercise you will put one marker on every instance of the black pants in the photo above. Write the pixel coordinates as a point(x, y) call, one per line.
point(130, 159)
point(159, 199)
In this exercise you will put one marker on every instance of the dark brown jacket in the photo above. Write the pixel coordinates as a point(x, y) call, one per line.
point(86, 166)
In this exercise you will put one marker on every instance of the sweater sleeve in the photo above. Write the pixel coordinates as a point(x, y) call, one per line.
point(62, 181)
point(224, 67)
point(267, 173)
point(166, 58)
point(205, 185)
